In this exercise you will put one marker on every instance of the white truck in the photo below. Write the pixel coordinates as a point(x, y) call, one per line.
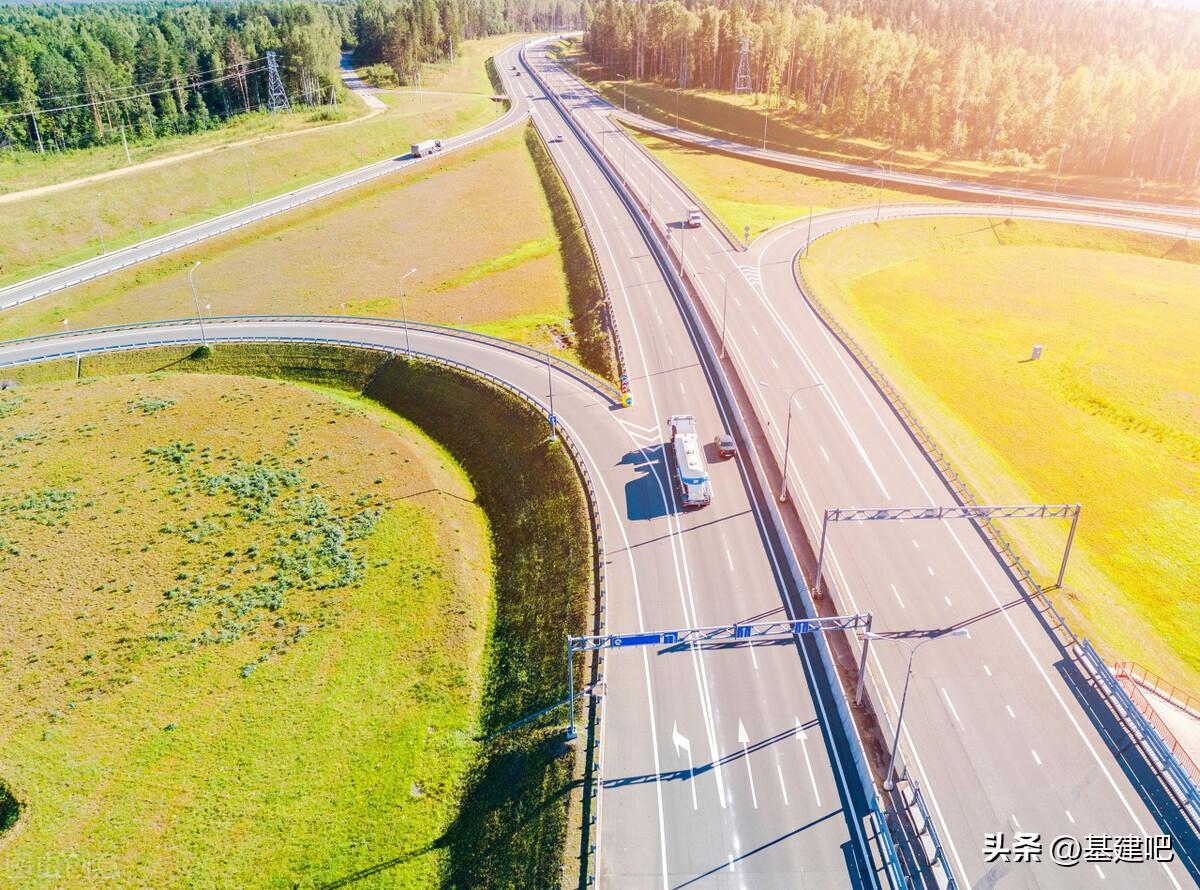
point(691, 471)
point(428, 147)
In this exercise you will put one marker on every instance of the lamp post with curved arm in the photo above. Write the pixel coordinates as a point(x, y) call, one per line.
point(196, 302)
point(404, 312)
point(787, 438)
point(888, 784)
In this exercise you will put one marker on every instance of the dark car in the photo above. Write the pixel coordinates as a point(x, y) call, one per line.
point(726, 447)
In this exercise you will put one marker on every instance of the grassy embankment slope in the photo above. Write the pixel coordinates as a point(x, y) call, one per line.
point(1108, 417)
point(504, 261)
point(745, 193)
point(235, 609)
point(469, 820)
point(740, 118)
point(66, 226)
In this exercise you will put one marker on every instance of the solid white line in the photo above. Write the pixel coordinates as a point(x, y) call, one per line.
point(782, 785)
point(729, 558)
point(950, 704)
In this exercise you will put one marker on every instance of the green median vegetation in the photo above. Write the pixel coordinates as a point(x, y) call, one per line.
point(1107, 417)
point(288, 617)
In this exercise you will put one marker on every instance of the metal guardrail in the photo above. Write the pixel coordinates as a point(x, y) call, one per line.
point(1148, 711)
point(734, 241)
point(351, 177)
point(1147, 679)
point(959, 489)
point(592, 761)
point(610, 318)
point(679, 288)
point(592, 379)
point(1141, 727)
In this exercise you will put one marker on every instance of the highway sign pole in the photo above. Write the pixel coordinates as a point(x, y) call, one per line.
point(724, 312)
point(196, 301)
point(821, 554)
point(862, 662)
point(1062, 569)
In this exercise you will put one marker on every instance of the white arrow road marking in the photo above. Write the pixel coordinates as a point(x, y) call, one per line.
point(802, 736)
point(682, 742)
point(745, 740)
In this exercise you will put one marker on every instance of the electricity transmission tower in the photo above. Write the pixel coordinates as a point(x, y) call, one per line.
point(742, 83)
point(277, 99)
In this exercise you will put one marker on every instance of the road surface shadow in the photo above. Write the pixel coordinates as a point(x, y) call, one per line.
point(731, 864)
point(700, 769)
point(650, 495)
point(1142, 775)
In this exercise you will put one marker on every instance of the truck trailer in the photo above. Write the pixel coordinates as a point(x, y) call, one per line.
point(426, 148)
point(691, 471)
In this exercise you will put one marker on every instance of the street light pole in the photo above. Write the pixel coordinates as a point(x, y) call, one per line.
point(404, 312)
point(196, 302)
point(624, 98)
point(787, 437)
point(724, 311)
point(1062, 150)
point(888, 784)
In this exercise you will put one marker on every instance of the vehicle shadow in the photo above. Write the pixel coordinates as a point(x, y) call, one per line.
point(650, 495)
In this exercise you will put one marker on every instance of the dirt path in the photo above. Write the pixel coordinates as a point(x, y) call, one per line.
point(350, 78)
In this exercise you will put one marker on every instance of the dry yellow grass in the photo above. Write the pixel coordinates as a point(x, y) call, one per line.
point(1109, 417)
point(486, 257)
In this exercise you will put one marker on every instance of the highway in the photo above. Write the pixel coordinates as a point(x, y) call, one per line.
point(112, 261)
point(718, 767)
point(729, 767)
point(962, 188)
point(1000, 729)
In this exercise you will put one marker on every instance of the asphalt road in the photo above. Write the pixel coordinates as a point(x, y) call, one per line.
point(1000, 728)
point(113, 261)
point(964, 188)
point(719, 767)
point(726, 767)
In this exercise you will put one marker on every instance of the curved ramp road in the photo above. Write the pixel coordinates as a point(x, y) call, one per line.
point(87, 270)
point(979, 191)
point(1001, 728)
point(684, 800)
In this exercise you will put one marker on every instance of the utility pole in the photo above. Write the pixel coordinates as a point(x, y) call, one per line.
point(404, 312)
point(1062, 151)
point(765, 127)
point(196, 302)
point(249, 184)
point(125, 145)
point(36, 131)
point(99, 231)
point(808, 240)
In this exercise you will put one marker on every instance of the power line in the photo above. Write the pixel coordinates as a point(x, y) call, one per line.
point(146, 83)
point(112, 100)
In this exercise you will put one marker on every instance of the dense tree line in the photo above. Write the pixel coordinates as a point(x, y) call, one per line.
point(73, 76)
point(1108, 86)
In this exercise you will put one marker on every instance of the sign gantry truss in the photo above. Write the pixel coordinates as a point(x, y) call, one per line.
point(978, 512)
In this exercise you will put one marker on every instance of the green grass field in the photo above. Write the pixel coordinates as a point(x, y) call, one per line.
point(744, 193)
point(503, 272)
point(77, 223)
point(1109, 417)
point(740, 118)
point(245, 625)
